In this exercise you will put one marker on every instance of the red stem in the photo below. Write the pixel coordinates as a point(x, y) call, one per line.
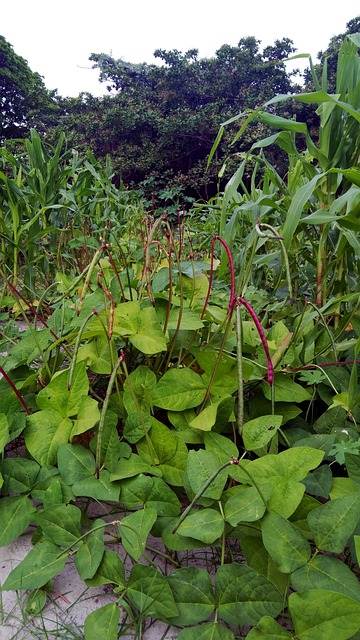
point(15, 390)
point(32, 309)
point(270, 368)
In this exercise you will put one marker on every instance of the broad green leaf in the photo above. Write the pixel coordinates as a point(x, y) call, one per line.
point(258, 432)
point(286, 390)
point(103, 623)
point(333, 523)
point(193, 593)
point(41, 564)
point(284, 542)
point(136, 426)
point(101, 488)
point(319, 614)
point(110, 571)
point(57, 397)
point(87, 416)
point(200, 466)
point(173, 469)
point(129, 467)
point(221, 446)
point(352, 462)
point(319, 482)
point(246, 505)
point(111, 447)
point(135, 491)
point(208, 631)
point(343, 487)
point(268, 629)
point(61, 524)
point(190, 321)
point(149, 337)
point(163, 499)
point(75, 463)
point(175, 541)
point(98, 354)
point(20, 474)
point(159, 446)
point(134, 530)
point(89, 555)
point(138, 389)
point(16, 514)
point(4, 431)
point(206, 419)
point(150, 593)
point(258, 558)
point(44, 433)
point(243, 597)
point(179, 389)
point(206, 525)
point(326, 572)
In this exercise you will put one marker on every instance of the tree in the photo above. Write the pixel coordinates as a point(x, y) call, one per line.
point(24, 100)
point(160, 120)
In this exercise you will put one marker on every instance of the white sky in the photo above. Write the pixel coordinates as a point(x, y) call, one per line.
point(56, 38)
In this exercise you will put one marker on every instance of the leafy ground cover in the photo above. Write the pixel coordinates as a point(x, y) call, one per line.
point(197, 386)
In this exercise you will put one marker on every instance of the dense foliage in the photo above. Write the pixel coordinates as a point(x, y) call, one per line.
point(193, 387)
point(24, 100)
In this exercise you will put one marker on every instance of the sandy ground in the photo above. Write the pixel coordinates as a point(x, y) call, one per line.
point(64, 614)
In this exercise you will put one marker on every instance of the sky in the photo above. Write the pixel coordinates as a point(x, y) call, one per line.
point(57, 37)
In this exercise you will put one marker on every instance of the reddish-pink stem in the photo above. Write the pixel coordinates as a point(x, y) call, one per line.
point(270, 368)
point(17, 393)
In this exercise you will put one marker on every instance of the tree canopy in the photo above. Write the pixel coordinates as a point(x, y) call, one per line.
point(25, 102)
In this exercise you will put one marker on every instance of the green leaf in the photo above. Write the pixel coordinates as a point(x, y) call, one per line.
point(150, 593)
point(333, 523)
point(258, 432)
point(87, 416)
point(162, 447)
point(16, 514)
point(40, 565)
point(284, 542)
point(206, 525)
point(163, 499)
point(323, 615)
point(57, 397)
point(268, 629)
point(20, 474)
point(136, 426)
point(175, 541)
point(36, 602)
point(4, 431)
point(209, 631)
point(89, 555)
point(103, 623)
point(325, 572)
point(110, 570)
point(258, 558)
point(193, 593)
point(286, 390)
point(129, 467)
point(246, 505)
point(179, 389)
point(149, 337)
point(200, 466)
point(101, 488)
point(134, 530)
point(243, 597)
point(61, 524)
point(138, 389)
point(44, 433)
point(135, 491)
point(75, 463)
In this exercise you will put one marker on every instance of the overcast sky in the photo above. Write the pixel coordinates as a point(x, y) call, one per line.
point(56, 38)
